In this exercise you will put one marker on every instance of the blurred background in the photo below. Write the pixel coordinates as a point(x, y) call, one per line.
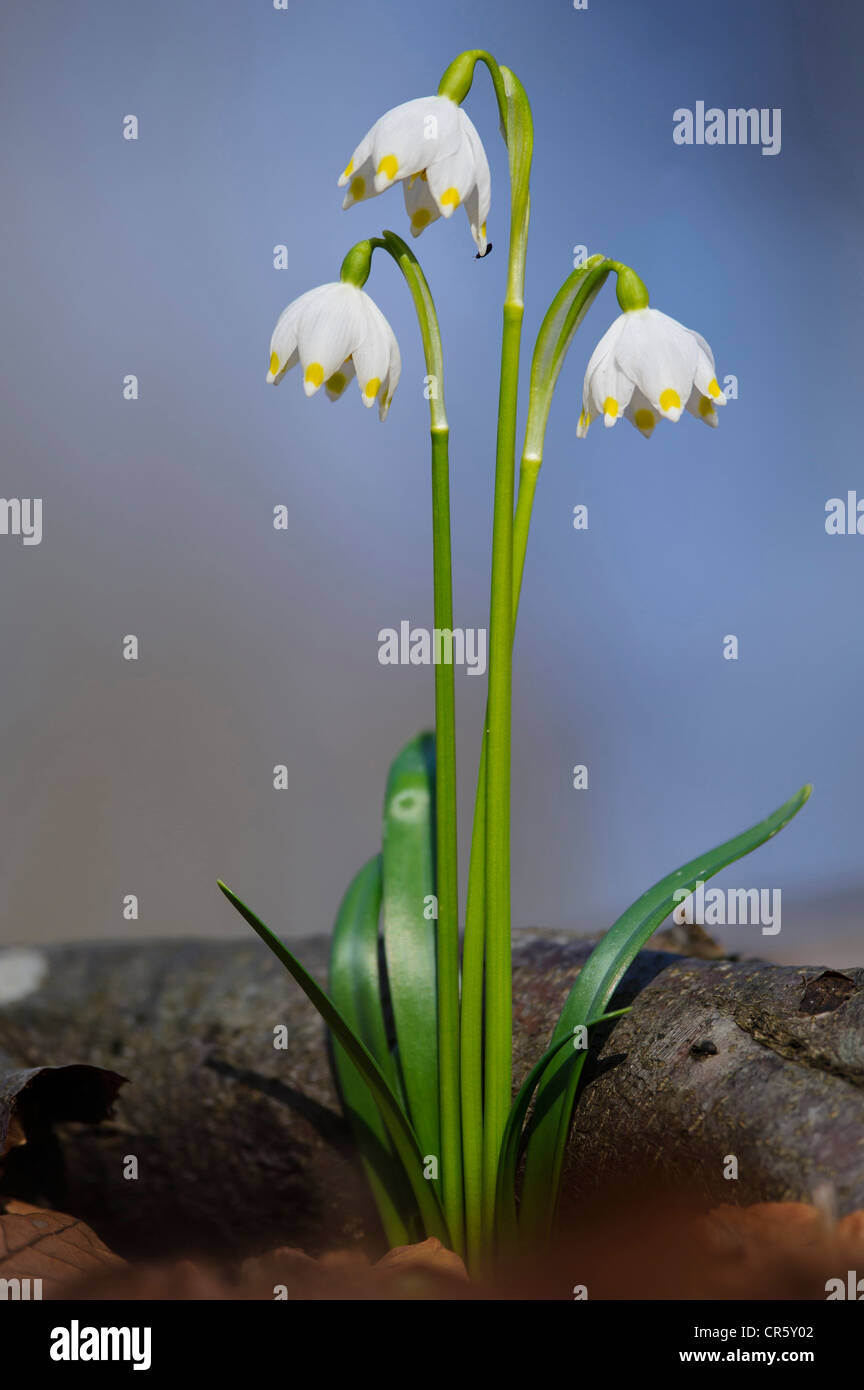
point(259, 647)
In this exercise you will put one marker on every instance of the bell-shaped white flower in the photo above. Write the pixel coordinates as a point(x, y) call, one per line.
point(433, 148)
point(336, 332)
point(648, 365)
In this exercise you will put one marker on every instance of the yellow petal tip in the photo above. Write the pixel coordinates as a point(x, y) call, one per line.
point(313, 377)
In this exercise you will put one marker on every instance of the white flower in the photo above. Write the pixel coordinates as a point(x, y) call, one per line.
point(430, 144)
point(648, 365)
point(336, 332)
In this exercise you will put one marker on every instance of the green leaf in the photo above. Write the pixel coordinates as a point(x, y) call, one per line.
point(355, 988)
point(511, 1145)
point(398, 1126)
point(518, 129)
point(597, 981)
point(409, 936)
point(563, 317)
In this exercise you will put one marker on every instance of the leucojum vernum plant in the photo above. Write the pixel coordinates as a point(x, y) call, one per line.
point(446, 1149)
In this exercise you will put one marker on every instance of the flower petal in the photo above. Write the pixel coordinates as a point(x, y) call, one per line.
point(391, 380)
point(337, 384)
point(705, 377)
point(602, 360)
point(605, 346)
point(372, 353)
point(702, 407)
point(330, 327)
point(419, 203)
point(478, 199)
point(659, 356)
point(361, 184)
point(609, 390)
point(283, 343)
point(452, 178)
point(641, 414)
point(361, 155)
point(411, 136)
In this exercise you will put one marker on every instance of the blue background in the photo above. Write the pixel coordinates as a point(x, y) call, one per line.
point(259, 647)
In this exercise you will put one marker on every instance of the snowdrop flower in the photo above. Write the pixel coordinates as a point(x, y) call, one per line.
point(337, 332)
point(432, 147)
point(648, 365)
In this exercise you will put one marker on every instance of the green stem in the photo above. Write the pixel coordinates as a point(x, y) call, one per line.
point(446, 856)
point(529, 471)
point(560, 323)
point(498, 1059)
point(472, 1025)
point(498, 981)
point(473, 949)
point(487, 925)
point(446, 850)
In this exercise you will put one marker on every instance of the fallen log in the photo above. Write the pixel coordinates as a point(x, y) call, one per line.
point(239, 1145)
point(734, 1081)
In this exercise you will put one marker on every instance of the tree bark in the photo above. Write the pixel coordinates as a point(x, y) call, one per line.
point(240, 1145)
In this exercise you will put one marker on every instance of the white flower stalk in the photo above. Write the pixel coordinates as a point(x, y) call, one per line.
point(432, 147)
point(646, 366)
point(337, 332)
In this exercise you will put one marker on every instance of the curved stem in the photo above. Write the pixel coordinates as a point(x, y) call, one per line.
point(446, 845)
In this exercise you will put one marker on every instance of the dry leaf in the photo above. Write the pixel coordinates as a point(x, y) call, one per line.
point(48, 1245)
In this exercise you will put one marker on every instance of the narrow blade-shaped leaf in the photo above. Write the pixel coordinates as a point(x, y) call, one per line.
point(519, 134)
point(355, 988)
point(409, 930)
point(597, 981)
point(398, 1125)
point(506, 1224)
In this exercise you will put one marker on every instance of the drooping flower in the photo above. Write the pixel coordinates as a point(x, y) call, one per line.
point(647, 365)
point(335, 332)
point(431, 146)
